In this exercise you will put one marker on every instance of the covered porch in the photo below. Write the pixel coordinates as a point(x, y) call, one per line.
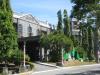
point(31, 46)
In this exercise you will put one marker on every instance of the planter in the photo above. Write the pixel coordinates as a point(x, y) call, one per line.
point(59, 64)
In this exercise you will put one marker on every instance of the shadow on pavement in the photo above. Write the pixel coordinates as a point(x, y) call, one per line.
point(95, 72)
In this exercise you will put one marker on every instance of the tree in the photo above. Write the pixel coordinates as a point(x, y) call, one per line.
point(91, 8)
point(59, 26)
point(66, 24)
point(55, 42)
point(58, 39)
point(8, 36)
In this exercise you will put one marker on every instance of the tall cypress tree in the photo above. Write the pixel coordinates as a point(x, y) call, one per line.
point(8, 37)
point(82, 9)
point(66, 24)
point(59, 26)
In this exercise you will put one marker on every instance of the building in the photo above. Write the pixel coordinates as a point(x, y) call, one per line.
point(29, 29)
point(75, 30)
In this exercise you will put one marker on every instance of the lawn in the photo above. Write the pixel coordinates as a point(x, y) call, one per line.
point(77, 63)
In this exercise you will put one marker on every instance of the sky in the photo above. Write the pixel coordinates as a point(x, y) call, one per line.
point(45, 10)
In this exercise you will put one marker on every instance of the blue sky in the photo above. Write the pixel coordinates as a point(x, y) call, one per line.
point(43, 9)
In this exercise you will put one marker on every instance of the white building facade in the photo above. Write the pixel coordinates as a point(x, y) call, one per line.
point(29, 30)
point(27, 25)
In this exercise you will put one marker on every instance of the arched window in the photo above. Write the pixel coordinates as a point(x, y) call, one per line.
point(30, 30)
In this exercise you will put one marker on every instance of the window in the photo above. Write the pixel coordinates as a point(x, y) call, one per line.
point(75, 24)
point(20, 30)
point(30, 30)
point(44, 32)
point(15, 26)
point(38, 32)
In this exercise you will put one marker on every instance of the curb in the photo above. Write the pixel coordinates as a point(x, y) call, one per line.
point(58, 68)
point(25, 73)
point(46, 64)
point(31, 72)
point(80, 66)
point(65, 68)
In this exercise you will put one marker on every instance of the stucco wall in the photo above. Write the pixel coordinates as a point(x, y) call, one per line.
point(26, 22)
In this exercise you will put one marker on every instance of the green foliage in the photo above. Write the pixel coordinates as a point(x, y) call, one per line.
point(16, 56)
point(81, 51)
point(63, 20)
point(31, 65)
point(66, 23)
point(88, 10)
point(75, 41)
point(8, 36)
point(55, 42)
point(59, 26)
point(58, 39)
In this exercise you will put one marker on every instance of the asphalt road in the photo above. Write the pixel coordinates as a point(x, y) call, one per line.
point(78, 70)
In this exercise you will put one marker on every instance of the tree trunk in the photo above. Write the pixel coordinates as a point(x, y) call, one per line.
point(96, 48)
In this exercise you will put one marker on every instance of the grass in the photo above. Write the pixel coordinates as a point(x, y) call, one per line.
point(31, 65)
point(77, 63)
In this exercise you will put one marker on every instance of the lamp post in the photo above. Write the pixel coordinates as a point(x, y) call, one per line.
point(62, 56)
point(24, 53)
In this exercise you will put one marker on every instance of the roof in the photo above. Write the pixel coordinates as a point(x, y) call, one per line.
point(42, 23)
point(19, 15)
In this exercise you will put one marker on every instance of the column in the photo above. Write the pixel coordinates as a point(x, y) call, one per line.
point(24, 53)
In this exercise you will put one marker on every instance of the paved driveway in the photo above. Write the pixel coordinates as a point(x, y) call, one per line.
point(40, 67)
point(80, 70)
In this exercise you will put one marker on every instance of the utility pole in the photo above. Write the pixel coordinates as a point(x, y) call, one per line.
point(24, 53)
point(62, 56)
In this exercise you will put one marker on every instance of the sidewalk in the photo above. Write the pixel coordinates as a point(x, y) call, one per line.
point(39, 67)
point(56, 68)
point(48, 64)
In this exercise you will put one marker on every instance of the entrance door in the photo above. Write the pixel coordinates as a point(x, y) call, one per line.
point(32, 49)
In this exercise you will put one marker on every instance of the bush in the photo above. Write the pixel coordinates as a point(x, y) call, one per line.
point(82, 53)
point(31, 65)
point(16, 56)
point(55, 42)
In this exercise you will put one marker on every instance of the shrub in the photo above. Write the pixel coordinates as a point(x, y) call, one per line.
point(31, 65)
point(82, 53)
point(55, 42)
point(16, 56)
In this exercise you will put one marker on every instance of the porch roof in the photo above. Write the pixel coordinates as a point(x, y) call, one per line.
point(31, 38)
